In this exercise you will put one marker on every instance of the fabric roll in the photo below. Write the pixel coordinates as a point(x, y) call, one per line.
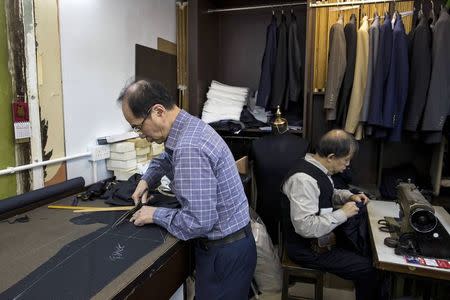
point(337, 62)
point(51, 192)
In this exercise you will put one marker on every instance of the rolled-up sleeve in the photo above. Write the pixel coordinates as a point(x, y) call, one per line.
point(341, 196)
point(303, 193)
point(196, 190)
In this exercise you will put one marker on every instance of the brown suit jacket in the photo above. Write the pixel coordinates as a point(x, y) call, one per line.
point(337, 61)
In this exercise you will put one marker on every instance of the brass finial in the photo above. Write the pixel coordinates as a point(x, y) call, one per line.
point(279, 124)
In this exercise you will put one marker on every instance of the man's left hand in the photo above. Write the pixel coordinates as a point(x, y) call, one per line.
point(143, 216)
point(359, 198)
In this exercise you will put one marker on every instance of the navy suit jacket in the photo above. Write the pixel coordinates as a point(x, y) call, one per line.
point(268, 64)
point(380, 78)
point(280, 75)
point(397, 84)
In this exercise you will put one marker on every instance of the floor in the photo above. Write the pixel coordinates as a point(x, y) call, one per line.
point(307, 291)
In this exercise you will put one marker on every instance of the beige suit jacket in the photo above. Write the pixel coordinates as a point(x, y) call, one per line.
point(360, 79)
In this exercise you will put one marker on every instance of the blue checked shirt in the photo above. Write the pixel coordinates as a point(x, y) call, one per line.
point(204, 179)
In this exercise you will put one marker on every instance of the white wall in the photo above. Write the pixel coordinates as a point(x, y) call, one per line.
point(97, 56)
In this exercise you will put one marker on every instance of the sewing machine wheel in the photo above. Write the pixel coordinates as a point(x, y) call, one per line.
point(423, 220)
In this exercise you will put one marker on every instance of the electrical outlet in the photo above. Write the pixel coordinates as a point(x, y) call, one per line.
point(100, 152)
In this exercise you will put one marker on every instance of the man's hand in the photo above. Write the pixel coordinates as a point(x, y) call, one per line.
point(350, 209)
point(141, 192)
point(359, 198)
point(143, 216)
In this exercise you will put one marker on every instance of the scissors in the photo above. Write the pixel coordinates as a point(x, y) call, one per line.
point(386, 226)
point(127, 214)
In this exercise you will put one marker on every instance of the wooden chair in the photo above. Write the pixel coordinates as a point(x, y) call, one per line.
point(293, 272)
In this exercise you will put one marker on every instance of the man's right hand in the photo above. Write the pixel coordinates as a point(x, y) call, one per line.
point(350, 209)
point(141, 192)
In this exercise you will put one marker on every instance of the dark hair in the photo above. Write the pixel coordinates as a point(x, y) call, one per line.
point(142, 94)
point(337, 142)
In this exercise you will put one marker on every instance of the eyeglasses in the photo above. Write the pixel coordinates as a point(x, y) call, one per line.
point(138, 128)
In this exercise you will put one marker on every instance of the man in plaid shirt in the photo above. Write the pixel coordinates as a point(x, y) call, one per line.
point(214, 210)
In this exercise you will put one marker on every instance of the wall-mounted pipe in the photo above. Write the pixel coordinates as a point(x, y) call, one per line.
point(12, 170)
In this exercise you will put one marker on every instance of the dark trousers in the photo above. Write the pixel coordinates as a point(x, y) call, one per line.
point(343, 263)
point(225, 271)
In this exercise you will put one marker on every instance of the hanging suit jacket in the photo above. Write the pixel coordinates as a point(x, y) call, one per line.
point(374, 34)
point(379, 82)
point(438, 100)
point(419, 75)
point(360, 78)
point(294, 64)
point(268, 64)
point(347, 82)
point(397, 85)
point(279, 79)
point(337, 62)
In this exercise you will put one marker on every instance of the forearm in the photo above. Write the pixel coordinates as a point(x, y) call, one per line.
point(341, 196)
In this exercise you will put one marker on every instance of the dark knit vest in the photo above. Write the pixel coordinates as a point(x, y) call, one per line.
point(325, 200)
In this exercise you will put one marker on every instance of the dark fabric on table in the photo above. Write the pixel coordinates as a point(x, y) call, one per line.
point(85, 266)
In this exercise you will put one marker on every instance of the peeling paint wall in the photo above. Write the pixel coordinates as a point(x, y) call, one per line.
point(7, 157)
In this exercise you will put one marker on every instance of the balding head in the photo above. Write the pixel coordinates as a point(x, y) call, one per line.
point(140, 95)
point(337, 142)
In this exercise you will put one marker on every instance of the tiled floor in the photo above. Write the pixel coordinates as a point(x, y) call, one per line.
point(307, 291)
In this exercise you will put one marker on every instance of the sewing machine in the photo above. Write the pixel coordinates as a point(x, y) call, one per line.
point(418, 231)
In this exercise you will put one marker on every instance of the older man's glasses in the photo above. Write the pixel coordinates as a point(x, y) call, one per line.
point(138, 128)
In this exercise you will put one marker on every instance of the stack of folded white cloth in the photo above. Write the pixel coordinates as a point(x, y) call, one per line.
point(224, 102)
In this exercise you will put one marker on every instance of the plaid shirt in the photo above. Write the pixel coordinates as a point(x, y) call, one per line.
point(204, 179)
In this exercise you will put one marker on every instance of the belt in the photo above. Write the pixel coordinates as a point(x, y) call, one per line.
point(205, 244)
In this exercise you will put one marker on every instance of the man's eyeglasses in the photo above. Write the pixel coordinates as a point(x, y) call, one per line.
point(138, 128)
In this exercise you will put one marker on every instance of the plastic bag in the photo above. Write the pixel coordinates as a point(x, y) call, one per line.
point(268, 273)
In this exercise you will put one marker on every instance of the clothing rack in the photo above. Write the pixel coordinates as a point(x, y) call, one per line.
point(319, 4)
point(316, 4)
point(256, 7)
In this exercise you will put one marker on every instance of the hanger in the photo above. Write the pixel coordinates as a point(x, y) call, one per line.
point(432, 14)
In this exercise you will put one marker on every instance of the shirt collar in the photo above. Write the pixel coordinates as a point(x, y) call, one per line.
point(176, 129)
point(310, 158)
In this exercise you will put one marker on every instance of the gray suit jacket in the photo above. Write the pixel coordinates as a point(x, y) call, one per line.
point(337, 62)
point(419, 75)
point(438, 101)
point(374, 34)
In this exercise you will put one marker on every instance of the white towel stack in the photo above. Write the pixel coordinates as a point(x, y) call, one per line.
point(224, 102)
point(132, 156)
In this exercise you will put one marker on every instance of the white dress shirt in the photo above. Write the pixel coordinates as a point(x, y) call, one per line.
point(303, 193)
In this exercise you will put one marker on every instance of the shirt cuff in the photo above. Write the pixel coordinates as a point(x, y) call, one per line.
point(151, 181)
point(346, 194)
point(340, 216)
point(162, 216)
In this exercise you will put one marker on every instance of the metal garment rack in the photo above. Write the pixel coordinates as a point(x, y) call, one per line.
point(319, 4)
point(256, 7)
point(316, 4)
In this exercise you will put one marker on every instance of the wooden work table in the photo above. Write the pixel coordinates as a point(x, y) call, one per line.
point(144, 261)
